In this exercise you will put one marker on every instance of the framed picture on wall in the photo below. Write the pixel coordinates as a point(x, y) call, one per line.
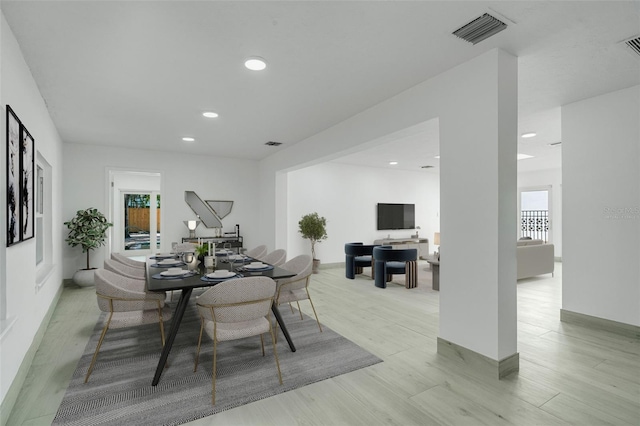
point(14, 179)
point(27, 213)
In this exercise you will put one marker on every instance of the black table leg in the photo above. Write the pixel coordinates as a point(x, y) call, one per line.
point(283, 327)
point(175, 324)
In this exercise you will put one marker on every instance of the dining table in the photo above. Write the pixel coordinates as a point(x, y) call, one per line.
point(198, 277)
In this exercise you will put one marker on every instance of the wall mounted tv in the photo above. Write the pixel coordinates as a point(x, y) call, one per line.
point(396, 216)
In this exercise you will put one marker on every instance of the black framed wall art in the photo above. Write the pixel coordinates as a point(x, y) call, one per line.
point(20, 180)
point(13, 178)
point(27, 185)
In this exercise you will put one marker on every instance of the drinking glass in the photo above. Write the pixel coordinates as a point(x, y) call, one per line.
point(230, 260)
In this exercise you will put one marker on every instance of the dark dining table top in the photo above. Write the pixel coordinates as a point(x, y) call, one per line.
point(194, 281)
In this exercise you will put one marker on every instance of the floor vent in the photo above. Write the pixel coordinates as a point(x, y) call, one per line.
point(272, 143)
point(633, 45)
point(480, 29)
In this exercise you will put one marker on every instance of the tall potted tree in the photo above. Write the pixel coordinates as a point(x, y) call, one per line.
point(87, 229)
point(313, 228)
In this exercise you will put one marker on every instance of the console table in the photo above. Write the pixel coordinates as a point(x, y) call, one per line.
point(234, 242)
point(421, 244)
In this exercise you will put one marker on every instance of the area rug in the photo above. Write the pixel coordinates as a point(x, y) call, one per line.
point(120, 392)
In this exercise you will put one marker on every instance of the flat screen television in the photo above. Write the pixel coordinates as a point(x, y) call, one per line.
point(396, 216)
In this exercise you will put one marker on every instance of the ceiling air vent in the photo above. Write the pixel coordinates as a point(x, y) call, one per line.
point(426, 167)
point(272, 143)
point(480, 29)
point(555, 143)
point(633, 45)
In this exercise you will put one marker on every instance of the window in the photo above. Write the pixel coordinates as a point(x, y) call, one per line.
point(534, 214)
point(39, 214)
point(43, 218)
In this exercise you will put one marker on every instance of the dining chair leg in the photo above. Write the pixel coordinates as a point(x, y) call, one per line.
point(291, 307)
point(299, 310)
point(314, 311)
point(213, 386)
point(95, 355)
point(195, 367)
point(276, 329)
point(262, 344)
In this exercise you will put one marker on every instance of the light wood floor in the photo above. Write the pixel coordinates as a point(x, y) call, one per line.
point(568, 374)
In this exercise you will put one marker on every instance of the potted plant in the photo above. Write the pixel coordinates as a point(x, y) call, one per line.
point(87, 229)
point(313, 228)
point(201, 251)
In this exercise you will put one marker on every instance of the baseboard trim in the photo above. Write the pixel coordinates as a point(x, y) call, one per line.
point(479, 363)
point(16, 385)
point(331, 265)
point(620, 328)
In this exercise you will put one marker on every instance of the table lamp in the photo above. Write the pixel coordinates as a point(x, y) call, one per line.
point(436, 241)
point(192, 225)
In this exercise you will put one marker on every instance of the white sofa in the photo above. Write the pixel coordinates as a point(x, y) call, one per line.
point(534, 257)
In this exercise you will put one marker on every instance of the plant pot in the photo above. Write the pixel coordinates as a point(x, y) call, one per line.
point(84, 277)
point(316, 265)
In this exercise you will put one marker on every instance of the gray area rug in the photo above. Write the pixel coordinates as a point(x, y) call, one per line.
point(120, 392)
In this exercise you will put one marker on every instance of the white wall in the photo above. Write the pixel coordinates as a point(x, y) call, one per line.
point(25, 305)
point(466, 100)
point(347, 196)
point(601, 194)
point(548, 178)
point(212, 178)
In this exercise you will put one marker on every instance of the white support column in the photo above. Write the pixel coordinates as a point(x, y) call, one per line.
point(478, 219)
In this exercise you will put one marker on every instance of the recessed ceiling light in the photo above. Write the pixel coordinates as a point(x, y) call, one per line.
point(210, 114)
point(524, 156)
point(437, 156)
point(255, 63)
point(188, 139)
point(528, 135)
point(393, 163)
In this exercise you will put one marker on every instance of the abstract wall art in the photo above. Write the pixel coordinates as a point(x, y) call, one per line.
point(20, 180)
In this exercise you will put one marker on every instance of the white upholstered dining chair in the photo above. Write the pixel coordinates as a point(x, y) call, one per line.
point(126, 305)
point(257, 252)
point(128, 261)
point(125, 270)
point(296, 288)
point(233, 310)
point(276, 257)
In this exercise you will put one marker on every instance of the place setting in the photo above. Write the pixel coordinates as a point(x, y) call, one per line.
point(236, 258)
point(220, 275)
point(163, 256)
point(256, 267)
point(174, 273)
point(224, 252)
point(168, 263)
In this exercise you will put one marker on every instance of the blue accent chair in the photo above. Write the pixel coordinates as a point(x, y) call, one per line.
point(389, 262)
point(357, 256)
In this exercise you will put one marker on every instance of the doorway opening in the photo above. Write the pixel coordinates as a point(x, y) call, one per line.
point(134, 208)
point(535, 213)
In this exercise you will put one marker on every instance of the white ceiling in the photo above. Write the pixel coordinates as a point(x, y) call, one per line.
point(140, 73)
